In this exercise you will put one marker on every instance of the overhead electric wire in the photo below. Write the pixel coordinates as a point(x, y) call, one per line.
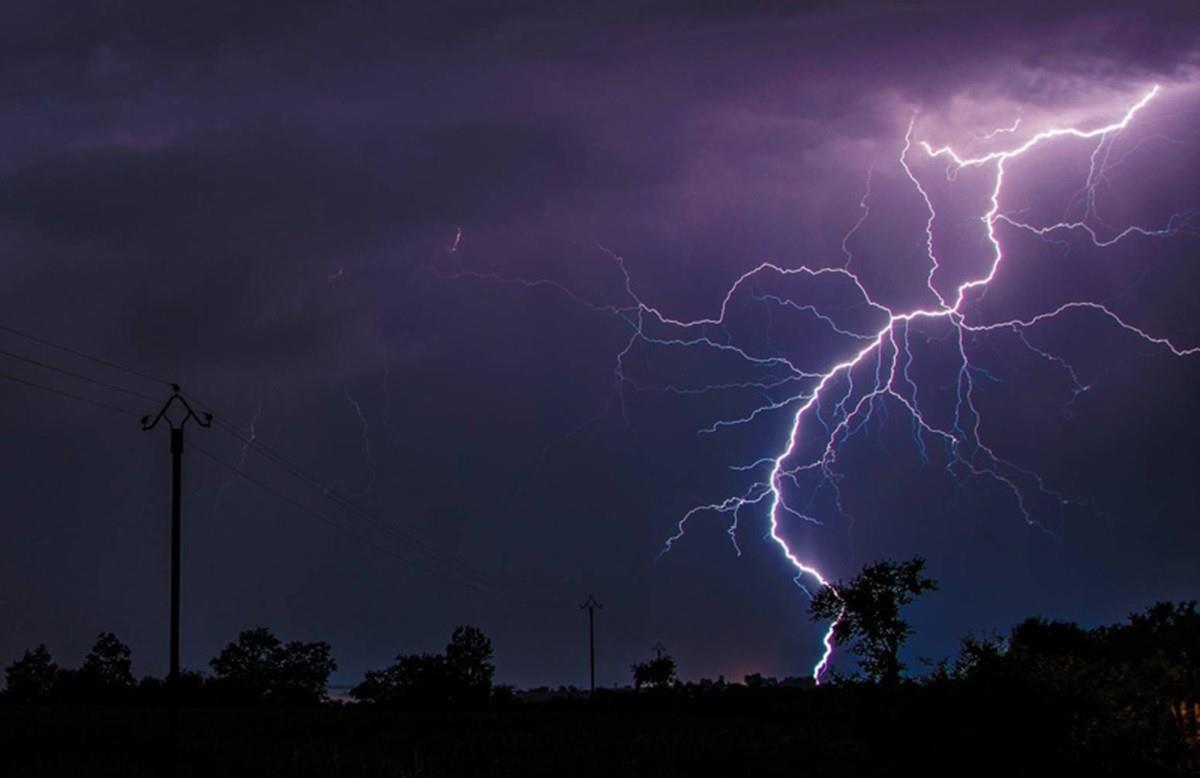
point(462, 568)
point(479, 586)
point(69, 395)
point(83, 355)
point(80, 376)
point(320, 486)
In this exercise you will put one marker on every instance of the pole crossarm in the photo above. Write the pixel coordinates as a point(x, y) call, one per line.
point(203, 419)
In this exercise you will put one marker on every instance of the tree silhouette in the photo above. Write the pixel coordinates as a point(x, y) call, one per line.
point(259, 667)
point(462, 675)
point(1166, 640)
point(1128, 694)
point(250, 665)
point(658, 673)
point(32, 677)
point(304, 672)
point(866, 613)
point(468, 660)
point(108, 667)
point(979, 658)
point(417, 680)
point(105, 677)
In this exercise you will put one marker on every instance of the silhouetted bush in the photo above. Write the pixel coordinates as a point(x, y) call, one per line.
point(461, 676)
point(418, 680)
point(191, 688)
point(259, 668)
point(658, 673)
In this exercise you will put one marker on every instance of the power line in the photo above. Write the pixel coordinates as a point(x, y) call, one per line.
point(83, 355)
point(462, 568)
point(69, 395)
point(337, 499)
point(73, 374)
point(477, 585)
point(320, 486)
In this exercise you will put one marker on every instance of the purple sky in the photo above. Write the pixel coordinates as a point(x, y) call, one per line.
point(263, 206)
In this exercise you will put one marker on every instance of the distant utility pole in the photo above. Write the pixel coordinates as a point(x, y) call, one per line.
point(659, 648)
point(590, 605)
point(176, 424)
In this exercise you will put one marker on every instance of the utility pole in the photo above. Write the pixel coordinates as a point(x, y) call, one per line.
point(659, 648)
point(176, 426)
point(590, 605)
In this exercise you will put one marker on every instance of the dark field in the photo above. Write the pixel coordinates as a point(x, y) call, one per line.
point(847, 730)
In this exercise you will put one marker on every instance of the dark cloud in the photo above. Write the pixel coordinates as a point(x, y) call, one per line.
point(252, 182)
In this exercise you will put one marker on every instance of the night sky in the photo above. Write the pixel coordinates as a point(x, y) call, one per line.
point(386, 240)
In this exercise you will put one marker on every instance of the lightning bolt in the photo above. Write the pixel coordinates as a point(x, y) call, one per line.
point(831, 403)
point(1000, 131)
point(251, 436)
point(368, 454)
point(864, 206)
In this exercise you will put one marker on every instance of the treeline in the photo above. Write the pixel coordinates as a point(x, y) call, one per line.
point(256, 668)
point(260, 669)
point(1121, 699)
point(1127, 688)
point(1133, 686)
point(1147, 669)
